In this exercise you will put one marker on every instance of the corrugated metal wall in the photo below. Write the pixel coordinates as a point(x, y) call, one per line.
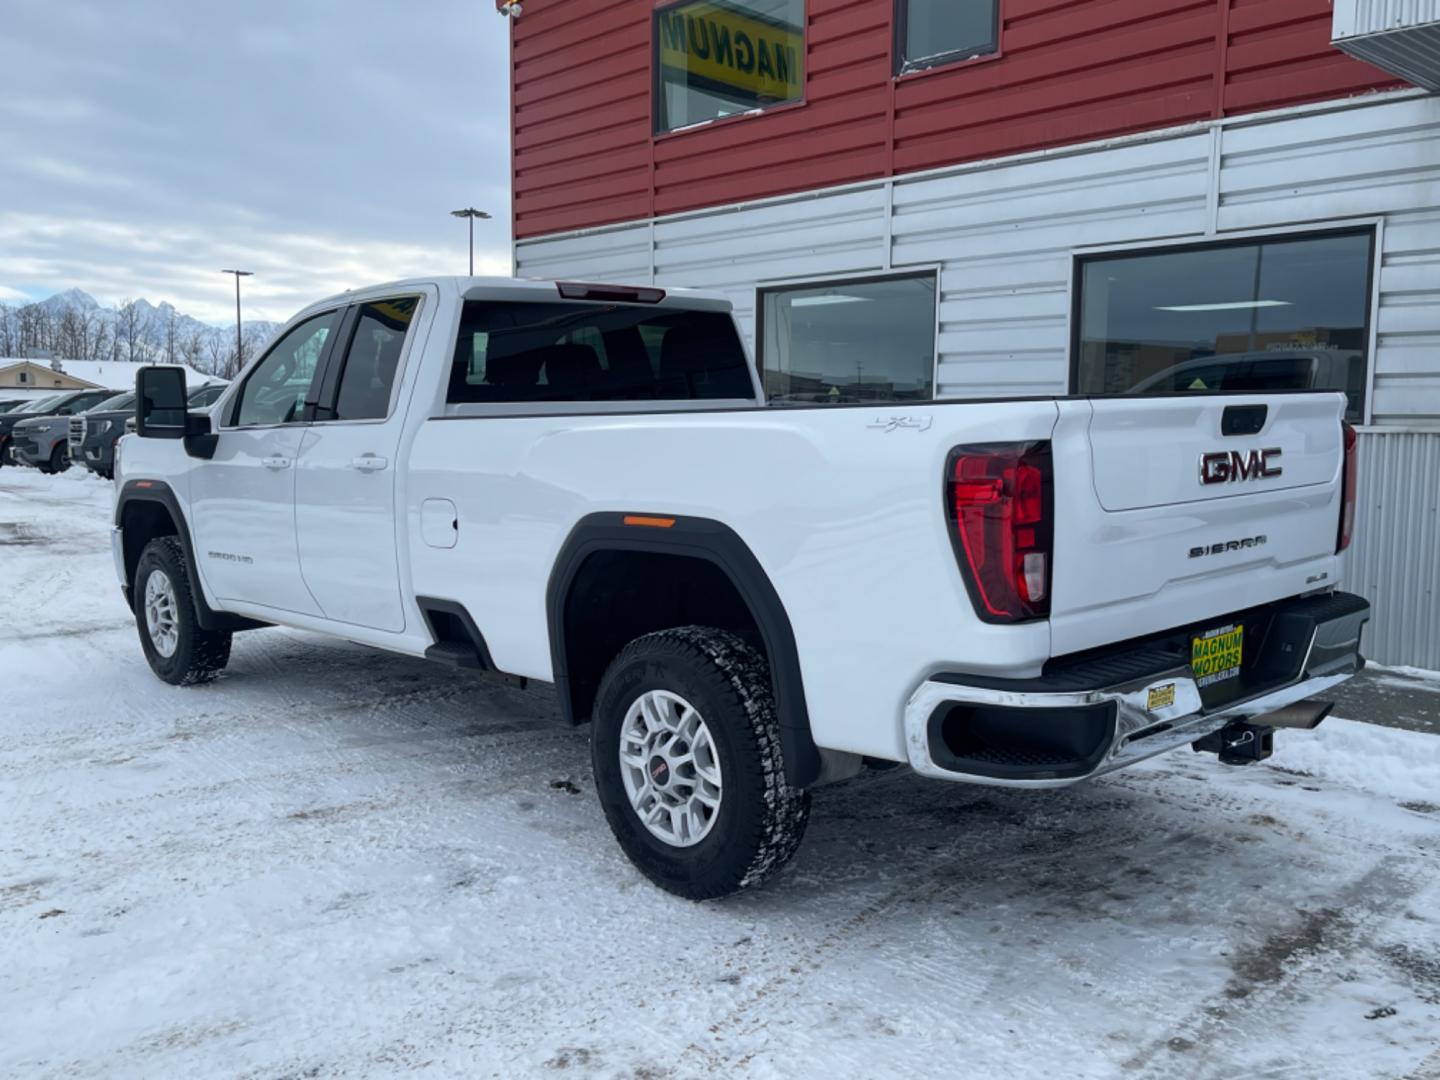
point(1395, 561)
point(1278, 53)
point(1068, 71)
point(1356, 17)
point(1004, 237)
point(1358, 163)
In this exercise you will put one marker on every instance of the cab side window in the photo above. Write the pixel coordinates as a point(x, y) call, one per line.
point(274, 393)
point(373, 358)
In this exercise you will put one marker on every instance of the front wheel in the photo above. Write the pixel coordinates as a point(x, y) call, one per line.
point(58, 461)
point(686, 752)
point(179, 650)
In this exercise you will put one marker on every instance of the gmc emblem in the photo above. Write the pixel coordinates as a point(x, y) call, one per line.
point(1229, 466)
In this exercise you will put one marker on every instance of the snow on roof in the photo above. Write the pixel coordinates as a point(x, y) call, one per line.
point(111, 374)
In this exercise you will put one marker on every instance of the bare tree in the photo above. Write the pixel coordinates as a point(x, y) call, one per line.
point(171, 334)
point(255, 339)
point(132, 330)
point(193, 349)
point(219, 354)
point(9, 331)
point(37, 328)
point(101, 339)
point(72, 334)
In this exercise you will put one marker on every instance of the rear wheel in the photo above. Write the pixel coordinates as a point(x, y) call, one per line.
point(686, 752)
point(179, 650)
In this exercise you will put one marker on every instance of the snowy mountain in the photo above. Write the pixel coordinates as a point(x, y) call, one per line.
point(73, 325)
point(157, 319)
point(70, 299)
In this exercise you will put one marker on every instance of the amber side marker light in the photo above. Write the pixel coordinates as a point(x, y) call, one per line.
point(649, 522)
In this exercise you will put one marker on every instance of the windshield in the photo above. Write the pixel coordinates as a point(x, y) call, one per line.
point(6, 406)
point(118, 403)
point(42, 405)
point(206, 395)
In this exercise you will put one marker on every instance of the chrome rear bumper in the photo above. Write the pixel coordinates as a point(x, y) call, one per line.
point(1112, 726)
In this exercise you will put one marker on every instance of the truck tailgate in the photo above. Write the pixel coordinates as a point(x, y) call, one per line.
point(1172, 510)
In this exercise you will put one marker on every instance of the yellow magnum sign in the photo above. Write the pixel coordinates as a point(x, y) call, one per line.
point(721, 48)
point(1217, 656)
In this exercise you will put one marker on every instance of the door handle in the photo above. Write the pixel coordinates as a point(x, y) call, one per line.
point(369, 463)
point(276, 463)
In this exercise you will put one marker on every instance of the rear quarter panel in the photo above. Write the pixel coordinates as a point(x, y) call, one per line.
point(842, 509)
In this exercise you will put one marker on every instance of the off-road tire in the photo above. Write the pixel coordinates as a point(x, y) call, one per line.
point(761, 818)
point(200, 654)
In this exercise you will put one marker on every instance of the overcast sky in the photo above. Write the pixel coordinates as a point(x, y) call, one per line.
point(320, 143)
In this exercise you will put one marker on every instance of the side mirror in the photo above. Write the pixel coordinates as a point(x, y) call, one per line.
point(160, 403)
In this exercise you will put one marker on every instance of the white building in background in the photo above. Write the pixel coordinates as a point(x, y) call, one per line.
point(941, 201)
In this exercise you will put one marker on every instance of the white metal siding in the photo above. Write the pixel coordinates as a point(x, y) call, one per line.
point(1364, 162)
point(1004, 238)
point(1005, 234)
point(1396, 553)
point(617, 255)
point(1398, 36)
point(1357, 17)
point(806, 237)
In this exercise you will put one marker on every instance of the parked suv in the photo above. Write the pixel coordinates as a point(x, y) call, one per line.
point(42, 424)
point(93, 436)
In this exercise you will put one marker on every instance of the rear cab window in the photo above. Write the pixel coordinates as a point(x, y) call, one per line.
point(371, 360)
point(567, 351)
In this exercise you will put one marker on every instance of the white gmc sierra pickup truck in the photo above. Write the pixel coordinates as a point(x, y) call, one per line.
point(580, 484)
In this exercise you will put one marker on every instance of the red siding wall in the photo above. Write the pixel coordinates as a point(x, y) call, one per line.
point(1069, 71)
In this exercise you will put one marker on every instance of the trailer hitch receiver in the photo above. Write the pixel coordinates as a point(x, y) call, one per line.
point(1238, 744)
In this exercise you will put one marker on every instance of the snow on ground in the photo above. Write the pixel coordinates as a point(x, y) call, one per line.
point(337, 862)
point(1431, 677)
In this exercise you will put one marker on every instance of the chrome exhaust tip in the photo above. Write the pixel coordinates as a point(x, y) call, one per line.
point(1303, 715)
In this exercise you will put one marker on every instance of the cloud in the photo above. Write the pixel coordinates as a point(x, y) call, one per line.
point(12, 296)
point(116, 262)
point(321, 145)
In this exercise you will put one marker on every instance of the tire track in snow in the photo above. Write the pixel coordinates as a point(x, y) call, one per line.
point(1298, 961)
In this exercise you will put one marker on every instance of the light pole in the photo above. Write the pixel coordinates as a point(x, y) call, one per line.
point(239, 355)
point(471, 213)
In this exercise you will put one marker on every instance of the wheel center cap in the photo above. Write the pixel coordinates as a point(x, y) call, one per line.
point(659, 771)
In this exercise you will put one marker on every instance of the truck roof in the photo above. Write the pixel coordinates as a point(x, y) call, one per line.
point(519, 288)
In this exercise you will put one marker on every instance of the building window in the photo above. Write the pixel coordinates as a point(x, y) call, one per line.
point(719, 58)
point(933, 32)
point(871, 339)
point(1281, 313)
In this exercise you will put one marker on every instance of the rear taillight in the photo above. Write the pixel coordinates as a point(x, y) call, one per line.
point(1347, 490)
point(1000, 500)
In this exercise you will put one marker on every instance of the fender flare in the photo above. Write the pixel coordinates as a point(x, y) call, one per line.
point(717, 543)
point(157, 491)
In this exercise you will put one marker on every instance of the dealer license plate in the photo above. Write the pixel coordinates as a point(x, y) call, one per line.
point(1215, 655)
